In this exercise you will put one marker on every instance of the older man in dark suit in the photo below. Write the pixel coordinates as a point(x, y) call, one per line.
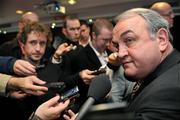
point(148, 58)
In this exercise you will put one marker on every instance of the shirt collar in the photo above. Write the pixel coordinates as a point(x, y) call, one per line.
point(104, 54)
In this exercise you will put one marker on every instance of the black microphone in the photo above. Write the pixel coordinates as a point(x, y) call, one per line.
point(98, 89)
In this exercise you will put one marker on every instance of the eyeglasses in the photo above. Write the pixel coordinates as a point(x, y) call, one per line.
point(170, 13)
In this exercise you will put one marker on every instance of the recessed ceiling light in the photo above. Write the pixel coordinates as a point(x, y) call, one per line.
point(62, 9)
point(72, 2)
point(90, 20)
point(19, 12)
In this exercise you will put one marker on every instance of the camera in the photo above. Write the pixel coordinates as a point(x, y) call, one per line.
point(56, 87)
point(101, 70)
point(72, 93)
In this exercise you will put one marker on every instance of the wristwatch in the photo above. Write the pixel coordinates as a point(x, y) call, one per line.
point(56, 60)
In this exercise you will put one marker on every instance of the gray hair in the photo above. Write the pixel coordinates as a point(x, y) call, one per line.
point(153, 19)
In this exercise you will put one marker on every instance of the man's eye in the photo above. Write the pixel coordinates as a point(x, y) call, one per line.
point(129, 41)
point(116, 45)
point(33, 42)
point(42, 43)
point(71, 28)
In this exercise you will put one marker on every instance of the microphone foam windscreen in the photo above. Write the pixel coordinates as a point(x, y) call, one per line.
point(99, 87)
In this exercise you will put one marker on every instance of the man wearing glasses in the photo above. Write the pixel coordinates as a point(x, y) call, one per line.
point(165, 10)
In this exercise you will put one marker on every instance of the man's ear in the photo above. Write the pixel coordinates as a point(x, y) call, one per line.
point(93, 35)
point(64, 31)
point(22, 47)
point(163, 39)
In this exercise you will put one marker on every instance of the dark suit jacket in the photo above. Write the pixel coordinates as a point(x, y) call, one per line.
point(11, 48)
point(50, 73)
point(22, 109)
point(158, 97)
point(84, 59)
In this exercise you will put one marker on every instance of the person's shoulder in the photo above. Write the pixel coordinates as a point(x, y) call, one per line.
point(88, 48)
point(10, 43)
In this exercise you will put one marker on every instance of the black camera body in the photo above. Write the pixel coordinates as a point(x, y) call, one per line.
point(70, 94)
point(59, 88)
point(56, 87)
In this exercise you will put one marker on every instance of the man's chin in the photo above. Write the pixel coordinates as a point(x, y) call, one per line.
point(36, 59)
point(130, 78)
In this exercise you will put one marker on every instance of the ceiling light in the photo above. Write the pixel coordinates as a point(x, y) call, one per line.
point(72, 2)
point(4, 32)
point(53, 25)
point(62, 9)
point(90, 20)
point(19, 12)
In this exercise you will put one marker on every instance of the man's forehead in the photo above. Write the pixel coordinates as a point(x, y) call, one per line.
point(120, 33)
point(30, 17)
point(84, 27)
point(129, 23)
point(37, 34)
point(73, 22)
point(116, 28)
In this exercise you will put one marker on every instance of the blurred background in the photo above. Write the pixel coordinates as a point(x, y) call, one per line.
point(52, 12)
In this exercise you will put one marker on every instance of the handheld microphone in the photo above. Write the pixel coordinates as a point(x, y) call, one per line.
point(98, 89)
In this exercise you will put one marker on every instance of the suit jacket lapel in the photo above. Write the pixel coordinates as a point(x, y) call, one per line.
point(91, 55)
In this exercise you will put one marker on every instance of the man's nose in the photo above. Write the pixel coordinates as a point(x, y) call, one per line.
point(77, 31)
point(38, 47)
point(123, 51)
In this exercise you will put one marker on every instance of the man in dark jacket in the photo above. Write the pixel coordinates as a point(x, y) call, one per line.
point(35, 38)
point(148, 58)
point(88, 59)
point(12, 48)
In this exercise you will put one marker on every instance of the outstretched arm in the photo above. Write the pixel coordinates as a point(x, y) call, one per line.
point(50, 110)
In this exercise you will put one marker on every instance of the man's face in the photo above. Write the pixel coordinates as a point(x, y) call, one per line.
point(138, 53)
point(35, 46)
point(168, 14)
point(102, 40)
point(85, 31)
point(73, 30)
point(28, 17)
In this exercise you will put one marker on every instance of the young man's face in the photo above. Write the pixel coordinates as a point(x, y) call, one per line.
point(35, 46)
point(102, 40)
point(72, 30)
point(84, 32)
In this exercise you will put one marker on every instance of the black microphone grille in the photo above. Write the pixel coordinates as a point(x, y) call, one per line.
point(99, 87)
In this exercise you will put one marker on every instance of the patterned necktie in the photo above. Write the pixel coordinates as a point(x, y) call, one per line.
point(136, 88)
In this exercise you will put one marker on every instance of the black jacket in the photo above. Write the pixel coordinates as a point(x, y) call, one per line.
point(84, 59)
point(158, 97)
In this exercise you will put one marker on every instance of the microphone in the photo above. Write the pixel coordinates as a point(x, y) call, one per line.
point(98, 89)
